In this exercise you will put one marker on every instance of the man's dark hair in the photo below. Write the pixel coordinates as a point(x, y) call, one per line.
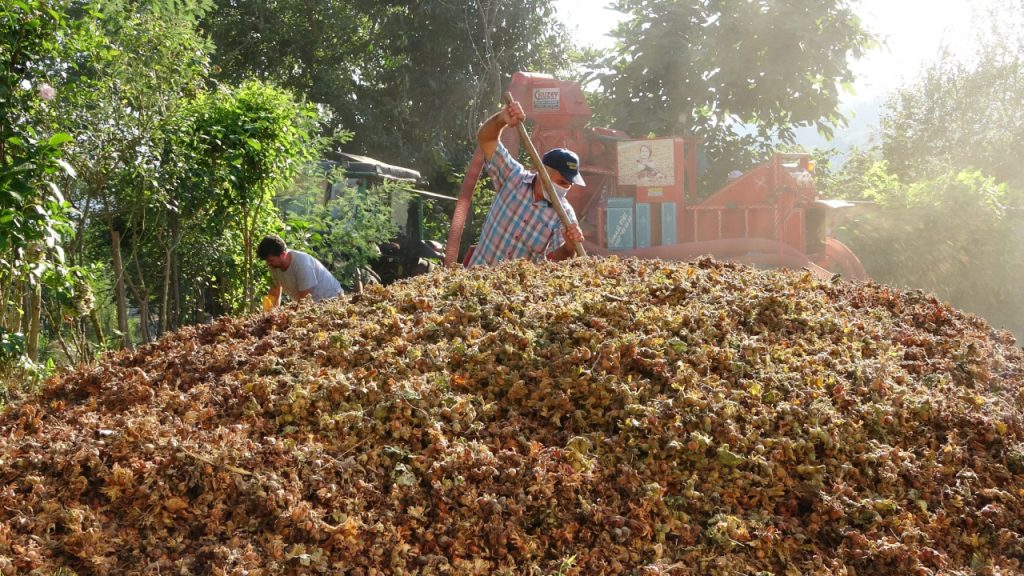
point(271, 245)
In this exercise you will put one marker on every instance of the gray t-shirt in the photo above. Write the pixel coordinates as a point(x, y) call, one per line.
point(303, 273)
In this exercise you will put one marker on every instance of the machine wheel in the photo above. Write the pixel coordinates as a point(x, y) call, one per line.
point(841, 260)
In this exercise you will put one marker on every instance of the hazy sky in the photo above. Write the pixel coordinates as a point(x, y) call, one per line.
point(912, 31)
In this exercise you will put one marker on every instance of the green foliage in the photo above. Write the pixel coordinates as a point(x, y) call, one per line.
point(345, 234)
point(775, 66)
point(34, 215)
point(707, 68)
point(452, 62)
point(12, 348)
point(33, 212)
point(417, 77)
point(963, 112)
point(147, 60)
point(952, 235)
point(864, 176)
point(71, 312)
point(130, 82)
point(947, 180)
point(236, 149)
point(437, 218)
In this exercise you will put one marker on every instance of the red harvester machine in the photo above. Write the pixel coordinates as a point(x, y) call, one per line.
point(641, 195)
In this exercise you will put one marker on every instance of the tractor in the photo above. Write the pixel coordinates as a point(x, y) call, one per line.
point(641, 197)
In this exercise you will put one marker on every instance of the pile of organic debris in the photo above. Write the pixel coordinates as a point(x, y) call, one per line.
point(600, 416)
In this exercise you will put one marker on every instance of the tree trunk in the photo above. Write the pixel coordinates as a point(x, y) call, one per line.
point(97, 326)
point(26, 306)
point(247, 271)
point(172, 296)
point(122, 301)
point(166, 296)
point(141, 292)
point(34, 315)
point(176, 290)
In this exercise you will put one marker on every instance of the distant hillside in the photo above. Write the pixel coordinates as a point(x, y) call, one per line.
point(864, 118)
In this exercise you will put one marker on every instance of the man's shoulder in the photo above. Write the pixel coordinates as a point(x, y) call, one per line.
point(310, 262)
point(502, 156)
point(302, 257)
point(504, 168)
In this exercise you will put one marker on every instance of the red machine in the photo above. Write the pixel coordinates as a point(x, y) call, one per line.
point(641, 195)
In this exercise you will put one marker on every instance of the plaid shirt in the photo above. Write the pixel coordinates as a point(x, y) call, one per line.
point(517, 225)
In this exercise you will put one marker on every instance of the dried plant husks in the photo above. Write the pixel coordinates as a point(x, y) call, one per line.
point(597, 416)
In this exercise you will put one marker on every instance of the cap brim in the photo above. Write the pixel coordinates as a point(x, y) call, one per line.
point(579, 180)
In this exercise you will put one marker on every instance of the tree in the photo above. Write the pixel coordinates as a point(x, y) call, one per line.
point(964, 111)
point(413, 80)
point(242, 145)
point(948, 180)
point(708, 68)
point(452, 62)
point(863, 176)
point(952, 235)
point(150, 60)
point(34, 216)
point(955, 235)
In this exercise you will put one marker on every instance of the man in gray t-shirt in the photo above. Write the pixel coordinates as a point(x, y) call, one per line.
point(296, 273)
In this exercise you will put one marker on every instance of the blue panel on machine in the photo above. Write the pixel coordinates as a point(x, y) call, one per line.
point(620, 223)
point(668, 223)
point(643, 225)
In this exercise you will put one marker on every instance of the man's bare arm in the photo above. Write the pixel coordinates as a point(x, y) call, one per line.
point(490, 131)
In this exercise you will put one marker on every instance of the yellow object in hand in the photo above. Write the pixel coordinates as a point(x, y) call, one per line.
point(268, 303)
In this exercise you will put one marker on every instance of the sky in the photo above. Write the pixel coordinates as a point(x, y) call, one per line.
point(911, 32)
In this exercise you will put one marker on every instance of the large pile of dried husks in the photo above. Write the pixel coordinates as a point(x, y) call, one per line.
point(600, 416)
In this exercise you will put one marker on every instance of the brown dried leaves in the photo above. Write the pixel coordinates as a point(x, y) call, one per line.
point(599, 416)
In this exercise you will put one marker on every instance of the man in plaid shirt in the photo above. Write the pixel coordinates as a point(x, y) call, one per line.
point(521, 223)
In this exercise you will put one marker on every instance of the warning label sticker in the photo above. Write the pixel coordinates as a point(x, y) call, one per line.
point(546, 100)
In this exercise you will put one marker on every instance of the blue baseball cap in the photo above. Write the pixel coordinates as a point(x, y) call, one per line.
point(566, 162)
